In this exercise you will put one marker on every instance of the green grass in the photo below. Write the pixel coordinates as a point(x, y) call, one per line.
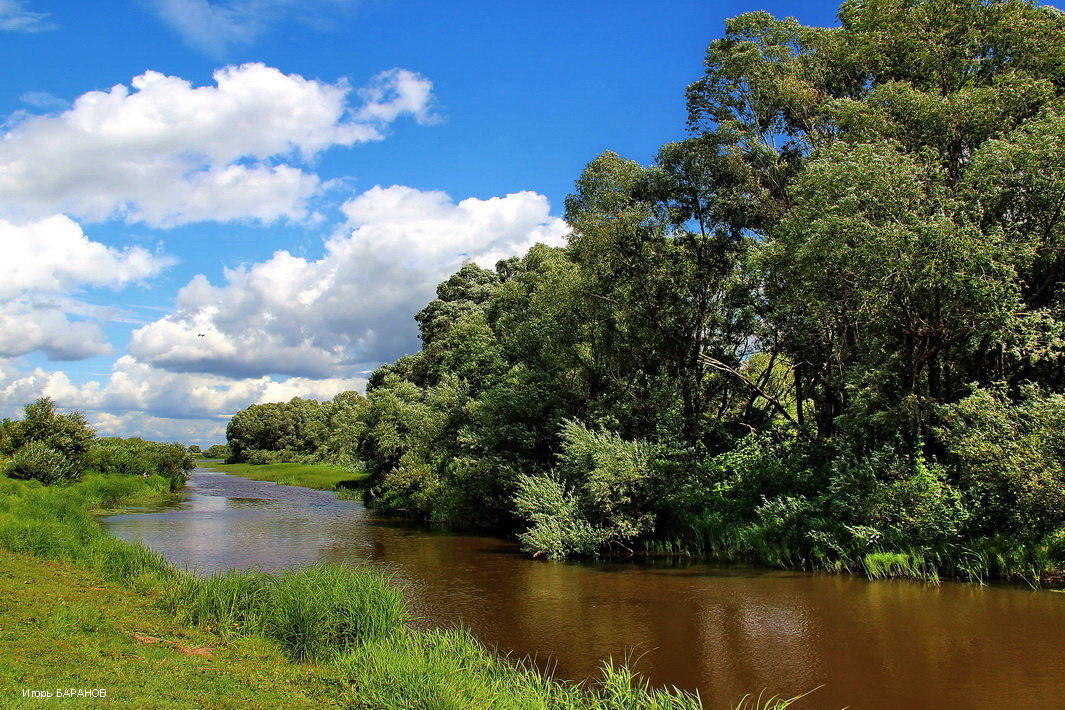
point(451, 670)
point(323, 477)
point(885, 565)
point(65, 627)
point(313, 612)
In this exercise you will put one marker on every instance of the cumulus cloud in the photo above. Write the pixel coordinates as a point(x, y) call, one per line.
point(214, 27)
point(55, 255)
point(14, 17)
point(138, 399)
point(26, 326)
point(41, 264)
point(320, 318)
point(164, 152)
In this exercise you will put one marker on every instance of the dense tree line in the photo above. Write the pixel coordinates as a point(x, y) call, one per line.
point(56, 448)
point(300, 430)
point(826, 325)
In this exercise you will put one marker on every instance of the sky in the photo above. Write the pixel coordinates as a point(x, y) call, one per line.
point(210, 204)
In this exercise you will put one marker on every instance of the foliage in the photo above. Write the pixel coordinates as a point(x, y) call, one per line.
point(69, 434)
point(137, 457)
point(600, 495)
point(826, 325)
point(41, 462)
point(217, 451)
point(300, 429)
point(1009, 458)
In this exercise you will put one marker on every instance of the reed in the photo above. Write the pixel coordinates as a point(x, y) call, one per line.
point(320, 610)
point(227, 603)
point(887, 565)
point(313, 613)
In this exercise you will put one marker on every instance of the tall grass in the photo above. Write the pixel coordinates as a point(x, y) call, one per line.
point(321, 609)
point(886, 565)
point(834, 547)
point(452, 670)
point(312, 613)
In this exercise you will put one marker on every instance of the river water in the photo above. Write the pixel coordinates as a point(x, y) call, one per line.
point(723, 631)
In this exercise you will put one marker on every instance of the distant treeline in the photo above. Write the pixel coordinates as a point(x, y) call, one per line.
point(56, 448)
point(826, 329)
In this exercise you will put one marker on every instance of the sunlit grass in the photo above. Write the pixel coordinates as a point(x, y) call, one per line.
point(324, 477)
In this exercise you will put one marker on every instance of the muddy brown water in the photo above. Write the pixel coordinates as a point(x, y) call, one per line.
point(723, 631)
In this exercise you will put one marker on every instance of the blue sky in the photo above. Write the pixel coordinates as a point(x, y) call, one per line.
point(209, 204)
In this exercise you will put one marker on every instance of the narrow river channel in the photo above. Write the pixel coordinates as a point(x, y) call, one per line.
point(723, 631)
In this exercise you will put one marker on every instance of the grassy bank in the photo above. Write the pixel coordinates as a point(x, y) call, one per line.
point(323, 477)
point(89, 611)
point(64, 627)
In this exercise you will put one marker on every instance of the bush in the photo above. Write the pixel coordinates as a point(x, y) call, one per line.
point(137, 457)
point(1009, 459)
point(217, 451)
point(69, 434)
point(38, 461)
point(599, 495)
point(261, 457)
point(920, 510)
point(557, 527)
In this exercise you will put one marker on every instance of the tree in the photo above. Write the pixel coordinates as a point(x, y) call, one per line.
point(69, 434)
point(903, 174)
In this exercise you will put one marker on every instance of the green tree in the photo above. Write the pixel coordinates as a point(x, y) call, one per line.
point(69, 434)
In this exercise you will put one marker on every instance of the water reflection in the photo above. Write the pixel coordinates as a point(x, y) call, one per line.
point(724, 631)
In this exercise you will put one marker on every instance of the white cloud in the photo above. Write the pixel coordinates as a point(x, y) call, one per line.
point(395, 92)
point(55, 255)
point(165, 153)
point(204, 432)
point(14, 17)
point(214, 27)
point(140, 400)
point(355, 305)
point(29, 325)
point(41, 264)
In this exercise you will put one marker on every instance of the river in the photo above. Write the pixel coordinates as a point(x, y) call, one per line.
point(723, 631)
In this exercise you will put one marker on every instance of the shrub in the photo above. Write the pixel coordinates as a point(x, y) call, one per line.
point(261, 457)
point(41, 462)
point(599, 495)
point(217, 451)
point(1009, 459)
point(557, 527)
point(69, 433)
point(137, 457)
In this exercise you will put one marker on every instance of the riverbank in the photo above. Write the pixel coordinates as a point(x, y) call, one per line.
point(322, 477)
point(323, 636)
point(63, 627)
